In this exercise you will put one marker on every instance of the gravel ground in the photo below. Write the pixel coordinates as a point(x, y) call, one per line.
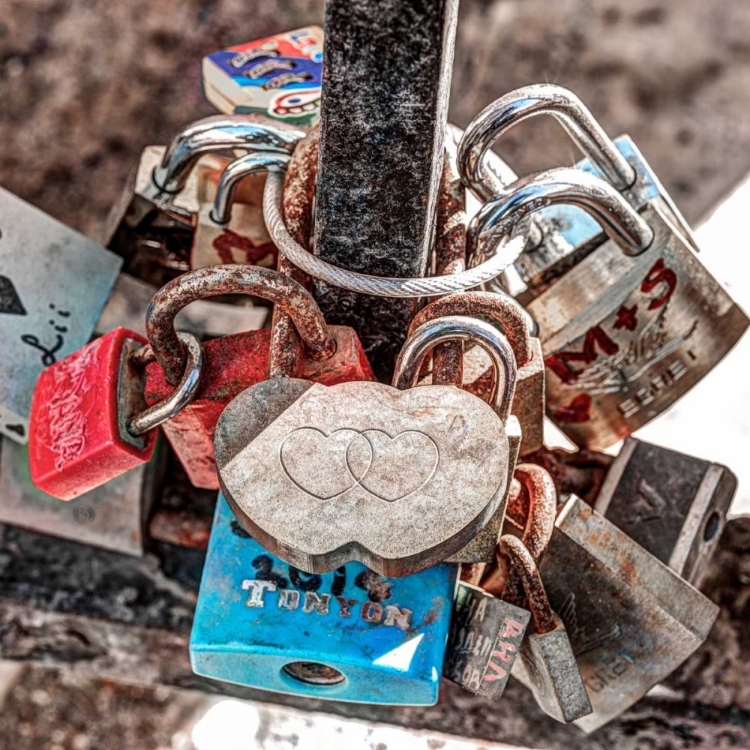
point(85, 85)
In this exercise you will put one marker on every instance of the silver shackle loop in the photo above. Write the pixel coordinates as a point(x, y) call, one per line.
point(461, 328)
point(235, 172)
point(499, 217)
point(530, 101)
point(218, 133)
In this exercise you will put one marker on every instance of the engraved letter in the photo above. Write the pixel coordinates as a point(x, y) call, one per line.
point(401, 618)
point(372, 612)
point(315, 602)
point(257, 591)
point(288, 599)
point(511, 629)
point(345, 606)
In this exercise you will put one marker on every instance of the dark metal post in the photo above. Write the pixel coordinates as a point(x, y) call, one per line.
point(386, 80)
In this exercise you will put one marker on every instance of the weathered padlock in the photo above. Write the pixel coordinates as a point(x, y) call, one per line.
point(547, 665)
point(620, 331)
point(54, 284)
point(363, 471)
point(152, 224)
point(228, 230)
point(89, 422)
point(631, 619)
point(234, 363)
point(528, 401)
point(350, 635)
point(485, 637)
point(673, 505)
point(619, 162)
point(278, 77)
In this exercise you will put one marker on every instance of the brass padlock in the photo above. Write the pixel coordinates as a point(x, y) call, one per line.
point(672, 504)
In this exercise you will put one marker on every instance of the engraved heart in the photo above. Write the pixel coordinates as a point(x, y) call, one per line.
point(392, 468)
point(317, 463)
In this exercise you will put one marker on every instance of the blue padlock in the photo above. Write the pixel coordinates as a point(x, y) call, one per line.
point(348, 635)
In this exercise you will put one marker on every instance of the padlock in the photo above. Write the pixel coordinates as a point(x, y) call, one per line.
point(234, 363)
point(528, 402)
point(278, 77)
point(349, 635)
point(233, 231)
point(89, 422)
point(624, 335)
point(485, 637)
point(631, 619)
point(547, 665)
point(151, 226)
point(325, 482)
point(619, 162)
point(673, 505)
point(54, 284)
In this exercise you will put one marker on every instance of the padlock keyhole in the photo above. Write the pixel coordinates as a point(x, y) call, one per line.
point(713, 523)
point(313, 673)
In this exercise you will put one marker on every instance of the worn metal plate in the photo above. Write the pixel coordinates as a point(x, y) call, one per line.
point(386, 72)
point(485, 638)
point(110, 516)
point(349, 635)
point(672, 504)
point(624, 337)
point(362, 471)
point(631, 620)
point(54, 283)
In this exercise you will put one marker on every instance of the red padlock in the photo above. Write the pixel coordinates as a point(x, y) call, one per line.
point(234, 363)
point(89, 422)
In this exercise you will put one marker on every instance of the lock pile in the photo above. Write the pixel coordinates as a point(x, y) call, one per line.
point(370, 538)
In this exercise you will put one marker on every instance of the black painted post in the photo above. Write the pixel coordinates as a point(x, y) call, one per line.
point(386, 80)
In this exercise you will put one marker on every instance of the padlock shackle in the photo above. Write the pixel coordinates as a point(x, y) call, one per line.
point(231, 278)
point(519, 105)
point(523, 564)
point(457, 328)
point(501, 309)
point(498, 218)
point(218, 133)
point(234, 173)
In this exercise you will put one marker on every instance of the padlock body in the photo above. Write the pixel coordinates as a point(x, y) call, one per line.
point(348, 635)
point(548, 668)
point(485, 639)
point(624, 337)
point(673, 505)
point(232, 364)
point(77, 439)
point(630, 619)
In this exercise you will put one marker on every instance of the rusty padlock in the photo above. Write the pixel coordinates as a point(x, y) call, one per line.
point(230, 229)
point(673, 505)
point(504, 311)
point(234, 363)
point(89, 420)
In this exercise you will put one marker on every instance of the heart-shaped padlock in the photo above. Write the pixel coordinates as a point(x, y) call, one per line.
point(396, 479)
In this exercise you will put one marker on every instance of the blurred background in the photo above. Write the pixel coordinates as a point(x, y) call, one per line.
point(85, 85)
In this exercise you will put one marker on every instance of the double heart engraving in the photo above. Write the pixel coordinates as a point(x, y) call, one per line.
point(388, 467)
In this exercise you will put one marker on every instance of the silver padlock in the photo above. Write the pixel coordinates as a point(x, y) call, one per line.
point(631, 619)
point(547, 665)
point(152, 224)
point(326, 482)
point(485, 637)
point(54, 283)
point(672, 504)
point(624, 334)
point(565, 233)
point(233, 231)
